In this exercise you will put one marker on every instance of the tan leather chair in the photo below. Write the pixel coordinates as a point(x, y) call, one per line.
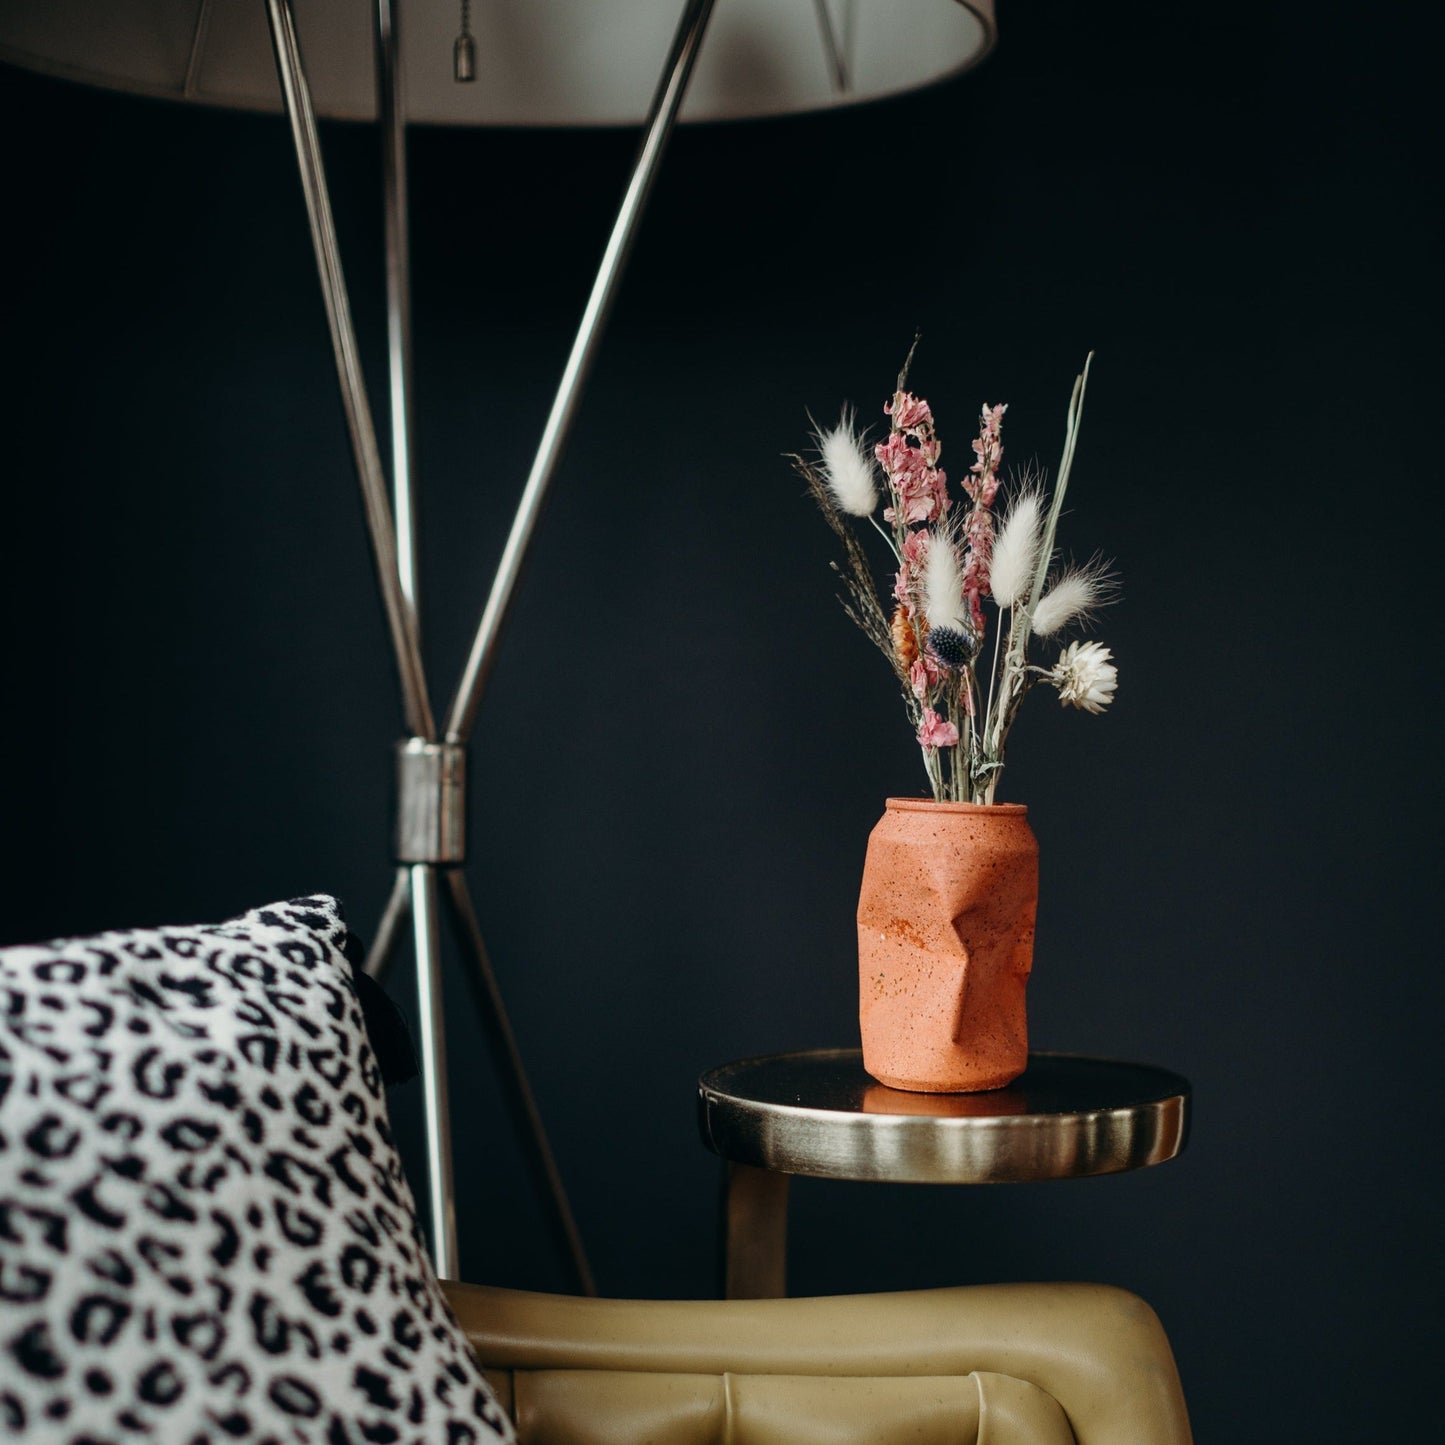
point(1047, 1364)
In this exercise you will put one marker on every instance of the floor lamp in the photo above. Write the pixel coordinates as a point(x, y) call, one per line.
point(479, 62)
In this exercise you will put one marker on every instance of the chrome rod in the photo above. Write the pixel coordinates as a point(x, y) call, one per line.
point(391, 105)
point(661, 118)
point(397, 907)
point(297, 97)
point(471, 929)
point(432, 1015)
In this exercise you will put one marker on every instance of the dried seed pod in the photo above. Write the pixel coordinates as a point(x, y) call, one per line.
point(905, 639)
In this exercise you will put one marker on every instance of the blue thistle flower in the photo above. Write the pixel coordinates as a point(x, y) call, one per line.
point(952, 647)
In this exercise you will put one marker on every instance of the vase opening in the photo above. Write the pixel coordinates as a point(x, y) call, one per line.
point(932, 805)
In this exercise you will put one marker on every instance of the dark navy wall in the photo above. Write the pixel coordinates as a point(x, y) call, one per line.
point(685, 743)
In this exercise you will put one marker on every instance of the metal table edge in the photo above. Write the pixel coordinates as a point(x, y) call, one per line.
point(1160, 1125)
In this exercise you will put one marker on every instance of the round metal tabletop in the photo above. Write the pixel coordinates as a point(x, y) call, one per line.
point(1066, 1116)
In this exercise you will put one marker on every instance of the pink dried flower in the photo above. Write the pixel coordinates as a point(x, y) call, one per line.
point(939, 479)
point(898, 457)
point(907, 586)
point(923, 676)
point(978, 532)
point(982, 485)
point(934, 732)
point(975, 612)
point(909, 412)
point(910, 459)
point(915, 547)
point(917, 486)
point(988, 449)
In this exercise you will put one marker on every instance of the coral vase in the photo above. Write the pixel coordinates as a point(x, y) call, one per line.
point(945, 945)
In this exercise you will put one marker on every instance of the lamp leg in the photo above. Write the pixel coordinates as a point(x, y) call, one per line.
point(432, 1017)
point(391, 105)
point(393, 541)
point(397, 907)
point(661, 118)
point(495, 1011)
point(400, 617)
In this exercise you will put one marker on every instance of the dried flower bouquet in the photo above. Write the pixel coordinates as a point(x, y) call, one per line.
point(961, 694)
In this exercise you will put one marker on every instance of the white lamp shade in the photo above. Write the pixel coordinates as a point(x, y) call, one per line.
point(538, 62)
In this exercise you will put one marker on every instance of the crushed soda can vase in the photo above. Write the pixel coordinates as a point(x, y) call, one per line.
point(945, 945)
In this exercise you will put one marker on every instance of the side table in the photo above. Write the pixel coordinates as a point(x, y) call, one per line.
point(818, 1113)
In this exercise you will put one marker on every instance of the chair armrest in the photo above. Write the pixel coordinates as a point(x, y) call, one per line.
point(1098, 1352)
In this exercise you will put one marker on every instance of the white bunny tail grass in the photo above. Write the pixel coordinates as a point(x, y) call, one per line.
point(848, 468)
point(1016, 549)
point(943, 603)
point(1077, 594)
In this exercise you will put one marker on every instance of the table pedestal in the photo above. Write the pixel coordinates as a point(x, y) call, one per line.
point(755, 1229)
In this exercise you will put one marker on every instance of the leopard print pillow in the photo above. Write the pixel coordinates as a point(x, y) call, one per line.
point(205, 1234)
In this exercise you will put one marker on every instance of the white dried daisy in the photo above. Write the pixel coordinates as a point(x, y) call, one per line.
point(848, 468)
point(1085, 677)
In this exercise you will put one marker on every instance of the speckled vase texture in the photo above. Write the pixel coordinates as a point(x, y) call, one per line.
point(945, 945)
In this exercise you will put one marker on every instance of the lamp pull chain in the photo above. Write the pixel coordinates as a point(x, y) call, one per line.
point(464, 52)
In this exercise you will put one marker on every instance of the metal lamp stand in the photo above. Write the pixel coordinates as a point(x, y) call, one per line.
point(431, 760)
